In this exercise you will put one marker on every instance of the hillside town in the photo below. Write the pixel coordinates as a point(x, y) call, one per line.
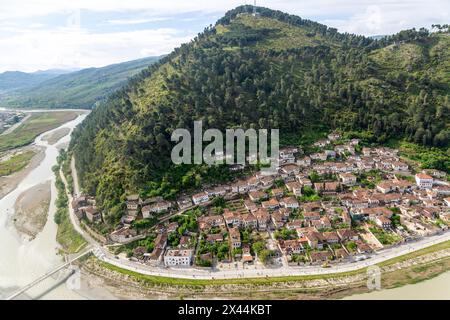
point(339, 203)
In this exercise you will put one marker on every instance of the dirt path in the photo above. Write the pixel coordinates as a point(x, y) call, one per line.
point(76, 184)
point(31, 208)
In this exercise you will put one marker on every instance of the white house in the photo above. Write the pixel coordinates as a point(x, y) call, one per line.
point(133, 204)
point(399, 166)
point(216, 192)
point(155, 208)
point(175, 258)
point(289, 202)
point(347, 179)
point(184, 203)
point(383, 222)
point(288, 153)
point(295, 187)
point(200, 198)
point(424, 181)
point(235, 237)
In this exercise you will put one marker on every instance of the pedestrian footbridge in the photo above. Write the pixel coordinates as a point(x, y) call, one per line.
point(48, 274)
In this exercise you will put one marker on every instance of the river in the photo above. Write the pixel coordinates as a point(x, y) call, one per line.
point(21, 260)
point(437, 288)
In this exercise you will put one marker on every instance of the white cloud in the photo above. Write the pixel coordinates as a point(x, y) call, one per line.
point(29, 8)
point(413, 10)
point(135, 21)
point(64, 48)
point(30, 45)
point(388, 17)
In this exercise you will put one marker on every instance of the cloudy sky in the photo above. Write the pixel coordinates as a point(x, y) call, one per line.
point(45, 34)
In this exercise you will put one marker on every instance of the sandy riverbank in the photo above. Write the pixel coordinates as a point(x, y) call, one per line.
point(31, 208)
point(55, 136)
point(9, 183)
point(436, 288)
point(63, 145)
point(93, 288)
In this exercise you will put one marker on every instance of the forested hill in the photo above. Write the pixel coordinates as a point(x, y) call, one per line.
point(79, 89)
point(270, 71)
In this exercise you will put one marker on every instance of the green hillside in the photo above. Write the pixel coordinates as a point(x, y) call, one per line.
point(270, 71)
point(80, 89)
point(14, 80)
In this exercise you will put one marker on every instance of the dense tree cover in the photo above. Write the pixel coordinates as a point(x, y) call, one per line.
point(188, 221)
point(271, 71)
point(259, 248)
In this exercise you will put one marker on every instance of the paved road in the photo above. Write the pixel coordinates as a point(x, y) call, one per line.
point(76, 183)
point(193, 273)
point(74, 219)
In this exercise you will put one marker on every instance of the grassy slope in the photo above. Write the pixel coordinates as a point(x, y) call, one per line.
point(285, 37)
point(400, 58)
point(34, 126)
point(440, 51)
point(431, 58)
point(81, 89)
point(67, 237)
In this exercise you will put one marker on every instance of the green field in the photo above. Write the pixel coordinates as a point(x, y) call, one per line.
point(38, 123)
point(67, 237)
point(386, 238)
point(16, 163)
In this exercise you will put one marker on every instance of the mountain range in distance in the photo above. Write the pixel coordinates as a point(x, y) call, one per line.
point(59, 88)
point(13, 80)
